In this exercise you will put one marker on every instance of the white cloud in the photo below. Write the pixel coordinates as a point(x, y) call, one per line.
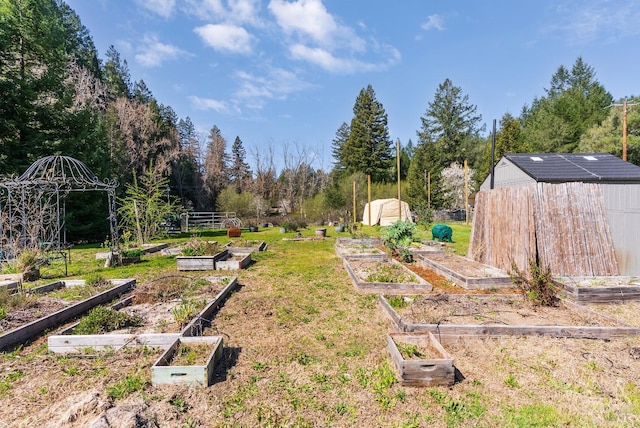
point(225, 37)
point(581, 22)
point(208, 104)
point(272, 84)
point(163, 8)
point(309, 18)
point(229, 11)
point(154, 53)
point(336, 65)
point(434, 22)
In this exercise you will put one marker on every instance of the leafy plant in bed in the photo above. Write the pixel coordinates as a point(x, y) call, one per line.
point(388, 273)
point(103, 320)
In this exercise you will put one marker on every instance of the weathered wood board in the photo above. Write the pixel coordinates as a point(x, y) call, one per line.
point(600, 289)
point(465, 272)
point(417, 287)
point(260, 246)
point(203, 319)
point(195, 263)
point(495, 330)
point(234, 261)
point(28, 331)
point(438, 370)
point(69, 343)
point(163, 373)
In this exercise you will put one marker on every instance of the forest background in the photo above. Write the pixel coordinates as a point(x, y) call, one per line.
point(59, 98)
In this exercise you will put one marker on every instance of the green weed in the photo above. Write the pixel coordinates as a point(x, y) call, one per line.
point(532, 415)
point(126, 387)
point(104, 320)
point(511, 381)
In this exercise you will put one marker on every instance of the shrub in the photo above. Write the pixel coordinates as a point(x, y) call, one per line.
point(198, 247)
point(536, 287)
point(104, 320)
point(400, 234)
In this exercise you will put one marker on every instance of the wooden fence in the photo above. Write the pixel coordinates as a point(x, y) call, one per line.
point(563, 225)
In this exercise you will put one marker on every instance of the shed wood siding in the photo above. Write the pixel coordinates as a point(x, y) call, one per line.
point(566, 222)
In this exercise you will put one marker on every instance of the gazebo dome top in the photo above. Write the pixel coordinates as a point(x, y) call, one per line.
point(63, 170)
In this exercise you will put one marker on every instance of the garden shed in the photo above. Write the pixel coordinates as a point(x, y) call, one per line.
point(579, 213)
point(385, 212)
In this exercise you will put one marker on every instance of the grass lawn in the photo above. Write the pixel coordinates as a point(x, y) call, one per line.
point(304, 349)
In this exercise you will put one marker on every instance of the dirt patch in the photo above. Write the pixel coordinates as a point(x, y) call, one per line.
point(628, 313)
point(384, 271)
point(481, 310)
point(465, 267)
point(33, 310)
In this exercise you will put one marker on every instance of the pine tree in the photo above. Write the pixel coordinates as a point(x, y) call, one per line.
point(342, 135)
point(239, 171)
point(449, 133)
point(368, 147)
point(216, 175)
point(574, 102)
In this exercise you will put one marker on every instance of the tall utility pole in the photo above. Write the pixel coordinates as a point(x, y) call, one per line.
point(398, 170)
point(625, 109)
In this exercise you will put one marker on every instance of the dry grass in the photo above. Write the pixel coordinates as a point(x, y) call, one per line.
point(302, 348)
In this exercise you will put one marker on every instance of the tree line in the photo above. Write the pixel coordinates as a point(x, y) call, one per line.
point(59, 98)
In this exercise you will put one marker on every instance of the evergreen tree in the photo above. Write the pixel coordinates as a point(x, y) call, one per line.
point(216, 175)
point(449, 133)
point(342, 135)
point(451, 125)
point(368, 147)
point(116, 74)
point(186, 177)
point(239, 171)
point(574, 102)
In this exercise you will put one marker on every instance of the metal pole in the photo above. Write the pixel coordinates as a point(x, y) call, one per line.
point(369, 195)
point(398, 168)
point(354, 202)
point(493, 155)
point(466, 192)
point(624, 130)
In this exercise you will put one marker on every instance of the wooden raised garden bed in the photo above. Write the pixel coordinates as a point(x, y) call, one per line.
point(384, 276)
point(465, 272)
point(194, 358)
point(246, 246)
point(495, 316)
point(359, 249)
point(234, 261)
point(420, 360)
point(189, 263)
point(28, 331)
point(602, 289)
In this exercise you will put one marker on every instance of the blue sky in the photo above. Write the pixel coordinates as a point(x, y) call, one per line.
point(283, 72)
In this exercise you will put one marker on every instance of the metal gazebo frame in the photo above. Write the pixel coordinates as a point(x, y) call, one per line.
point(33, 206)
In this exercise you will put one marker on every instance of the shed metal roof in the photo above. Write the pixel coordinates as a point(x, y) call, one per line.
point(585, 167)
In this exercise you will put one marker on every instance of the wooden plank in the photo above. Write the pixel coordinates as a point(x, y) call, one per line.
point(203, 319)
point(436, 371)
point(69, 343)
point(162, 373)
point(46, 288)
point(580, 332)
point(28, 331)
point(420, 286)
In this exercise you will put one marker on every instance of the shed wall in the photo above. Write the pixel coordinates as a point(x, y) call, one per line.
point(507, 174)
point(622, 202)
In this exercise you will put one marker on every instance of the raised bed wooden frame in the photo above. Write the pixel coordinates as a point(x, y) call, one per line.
point(599, 293)
point(28, 331)
point(436, 371)
point(446, 332)
point(262, 246)
point(190, 263)
point(163, 373)
point(421, 286)
point(234, 261)
point(499, 280)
